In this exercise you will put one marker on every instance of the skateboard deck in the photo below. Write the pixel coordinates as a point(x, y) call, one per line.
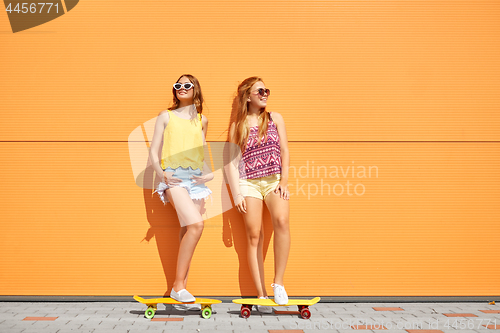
point(151, 303)
point(302, 304)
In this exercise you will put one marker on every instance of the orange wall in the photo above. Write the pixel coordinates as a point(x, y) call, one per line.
point(408, 87)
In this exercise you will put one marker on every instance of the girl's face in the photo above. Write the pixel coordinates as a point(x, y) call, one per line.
point(255, 99)
point(183, 94)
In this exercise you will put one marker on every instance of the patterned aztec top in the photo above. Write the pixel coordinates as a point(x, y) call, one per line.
point(261, 160)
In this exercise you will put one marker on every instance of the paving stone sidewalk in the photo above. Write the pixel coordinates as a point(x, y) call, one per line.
point(128, 317)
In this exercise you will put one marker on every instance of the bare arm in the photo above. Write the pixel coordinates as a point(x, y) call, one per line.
point(207, 174)
point(285, 154)
point(204, 124)
point(154, 150)
point(232, 171)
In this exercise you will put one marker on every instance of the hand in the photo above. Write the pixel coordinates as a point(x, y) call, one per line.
point(241, 204)
point(170, 180)
point(197, 180)
point(283, 191)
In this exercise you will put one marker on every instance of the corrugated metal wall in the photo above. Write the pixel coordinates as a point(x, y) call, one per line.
point(406, 90)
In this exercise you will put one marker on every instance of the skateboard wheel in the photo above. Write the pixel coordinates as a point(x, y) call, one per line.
point(305, 313)
point(150, 313)
point(245, 311)
point(206, 312)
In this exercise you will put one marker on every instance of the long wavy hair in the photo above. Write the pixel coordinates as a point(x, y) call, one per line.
point(241, 125)
point(197, 95)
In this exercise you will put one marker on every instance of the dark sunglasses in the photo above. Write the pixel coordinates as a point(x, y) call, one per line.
point(262, 91)
point(179, 86)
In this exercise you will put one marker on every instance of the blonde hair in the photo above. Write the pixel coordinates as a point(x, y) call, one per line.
point(197, 95)
point(241, 125)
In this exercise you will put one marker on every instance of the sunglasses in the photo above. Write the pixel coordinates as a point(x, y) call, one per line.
point(179, 86)
point(262, 91)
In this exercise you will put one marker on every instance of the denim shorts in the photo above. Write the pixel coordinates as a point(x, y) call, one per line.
point(196, 192)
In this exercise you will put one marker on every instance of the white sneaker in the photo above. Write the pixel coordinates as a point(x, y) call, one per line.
point(182, 296)
point(280, 296)
point(264, 308)
point(187, 307)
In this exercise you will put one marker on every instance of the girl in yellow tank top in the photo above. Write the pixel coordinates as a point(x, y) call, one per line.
point(182, 143)
point(183, 170)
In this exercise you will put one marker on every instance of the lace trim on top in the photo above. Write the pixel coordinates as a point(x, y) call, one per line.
point(184, 164)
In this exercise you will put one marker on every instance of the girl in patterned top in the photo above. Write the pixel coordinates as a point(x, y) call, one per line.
point(183, 129)
point(258, 174)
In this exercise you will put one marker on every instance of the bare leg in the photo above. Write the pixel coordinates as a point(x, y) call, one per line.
point(260, 260)
point(280, 214)
point(183, 230)
point(255, 240)
point(188, 214)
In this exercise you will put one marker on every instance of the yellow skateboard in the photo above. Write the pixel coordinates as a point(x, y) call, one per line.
point(206, 305)
point(302, 304)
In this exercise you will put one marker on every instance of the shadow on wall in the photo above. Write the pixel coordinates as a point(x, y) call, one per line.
point(164, 226)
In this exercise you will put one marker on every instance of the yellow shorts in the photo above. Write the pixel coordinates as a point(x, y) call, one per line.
point(259, 187)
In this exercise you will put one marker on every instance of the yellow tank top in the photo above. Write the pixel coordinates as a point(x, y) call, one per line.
point(182, 143)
